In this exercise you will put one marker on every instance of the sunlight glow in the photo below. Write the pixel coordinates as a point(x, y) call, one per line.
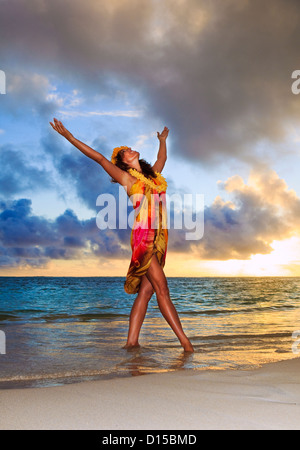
point(282, 261)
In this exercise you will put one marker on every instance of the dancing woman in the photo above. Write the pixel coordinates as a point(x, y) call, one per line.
point(149, 244)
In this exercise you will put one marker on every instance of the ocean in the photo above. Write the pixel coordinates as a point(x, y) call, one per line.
point(58, 330)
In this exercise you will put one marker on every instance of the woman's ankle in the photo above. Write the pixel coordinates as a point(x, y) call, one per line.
point(131, 344)
point(187, 345)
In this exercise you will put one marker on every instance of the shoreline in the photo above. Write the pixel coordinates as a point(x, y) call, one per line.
point(263, 398)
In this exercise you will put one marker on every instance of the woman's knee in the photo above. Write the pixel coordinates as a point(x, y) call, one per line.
point(162, 290)
point(146, 293)
point(156, 276)
point(146, 289)
point(160, 287)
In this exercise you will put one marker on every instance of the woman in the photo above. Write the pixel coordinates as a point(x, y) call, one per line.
point(149, 244)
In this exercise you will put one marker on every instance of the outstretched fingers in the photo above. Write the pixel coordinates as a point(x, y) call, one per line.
point(58, 126)
point(164, 133)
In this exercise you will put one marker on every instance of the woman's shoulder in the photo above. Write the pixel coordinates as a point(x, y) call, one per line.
point(129, 181)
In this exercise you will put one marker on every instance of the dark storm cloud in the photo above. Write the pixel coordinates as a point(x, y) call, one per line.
point(218, 72)
point(34, 240)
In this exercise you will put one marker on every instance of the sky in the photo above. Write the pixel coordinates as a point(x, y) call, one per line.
point(218, 74)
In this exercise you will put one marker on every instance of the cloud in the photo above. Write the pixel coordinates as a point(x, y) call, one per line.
point(99, 113)
point(85, 176)
point(17, 174)
point(26, 239)
point(260, 212)
point(218, 73)
point(31, 91)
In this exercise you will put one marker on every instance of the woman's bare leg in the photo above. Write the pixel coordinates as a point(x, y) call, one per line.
point(138, 312)
point(157, 278)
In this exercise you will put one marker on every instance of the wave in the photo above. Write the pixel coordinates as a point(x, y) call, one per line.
point(242, 336)
point(55, 376)
point(224, 311)
point(6, 316)
point(80, 317)
point(85, 317)
point(35, 315)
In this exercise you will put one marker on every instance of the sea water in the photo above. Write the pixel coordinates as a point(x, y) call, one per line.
point(68, 329)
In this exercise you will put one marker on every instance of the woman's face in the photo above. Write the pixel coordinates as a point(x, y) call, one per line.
point(128, 155)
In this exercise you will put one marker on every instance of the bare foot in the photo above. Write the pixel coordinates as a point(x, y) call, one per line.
point(131, 346)
point(187, 346)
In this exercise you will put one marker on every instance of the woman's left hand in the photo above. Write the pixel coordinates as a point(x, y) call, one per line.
point(163, 135)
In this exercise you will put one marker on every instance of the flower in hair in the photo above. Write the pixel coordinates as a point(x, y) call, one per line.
point(115, 153)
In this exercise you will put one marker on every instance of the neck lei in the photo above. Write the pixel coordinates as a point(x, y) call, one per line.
point(161, 187)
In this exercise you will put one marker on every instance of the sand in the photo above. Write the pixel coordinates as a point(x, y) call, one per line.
point(264, 398)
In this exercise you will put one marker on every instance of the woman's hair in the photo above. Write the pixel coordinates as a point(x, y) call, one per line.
point(145, 166)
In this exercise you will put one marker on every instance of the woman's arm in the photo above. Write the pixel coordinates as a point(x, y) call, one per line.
point(162, 151)
point(115, 172)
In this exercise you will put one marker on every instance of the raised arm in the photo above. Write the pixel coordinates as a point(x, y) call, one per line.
point(115, 172)
point(162, 151)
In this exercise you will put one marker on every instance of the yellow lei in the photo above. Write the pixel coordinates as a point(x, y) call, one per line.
point(161, 187)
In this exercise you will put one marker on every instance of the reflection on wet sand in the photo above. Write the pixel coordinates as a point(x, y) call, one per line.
point(141, 363)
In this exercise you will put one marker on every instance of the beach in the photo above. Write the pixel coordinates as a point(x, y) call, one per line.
point(63, 365)
point(264, 398)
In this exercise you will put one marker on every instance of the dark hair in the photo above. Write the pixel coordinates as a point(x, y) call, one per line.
point(145, 166)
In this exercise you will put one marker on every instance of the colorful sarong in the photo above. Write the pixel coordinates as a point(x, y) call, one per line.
point(149, 233)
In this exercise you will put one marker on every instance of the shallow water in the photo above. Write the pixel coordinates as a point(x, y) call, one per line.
point(63, 329)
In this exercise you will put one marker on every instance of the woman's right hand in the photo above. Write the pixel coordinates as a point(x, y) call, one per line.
point(61, 129)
